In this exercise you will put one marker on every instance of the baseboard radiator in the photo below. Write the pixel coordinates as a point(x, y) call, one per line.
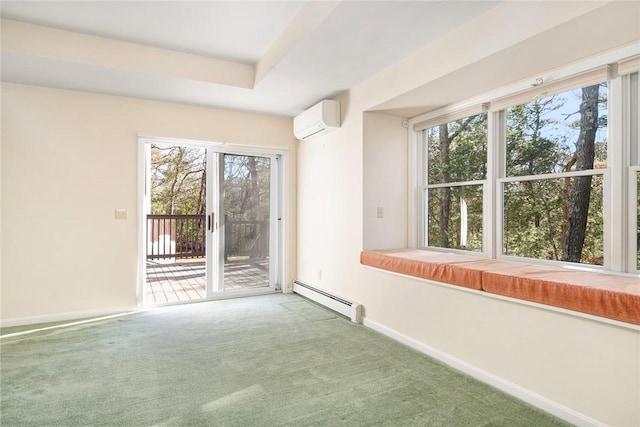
point(351, 309)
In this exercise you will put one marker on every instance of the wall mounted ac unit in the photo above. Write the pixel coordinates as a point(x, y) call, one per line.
point(321, 118)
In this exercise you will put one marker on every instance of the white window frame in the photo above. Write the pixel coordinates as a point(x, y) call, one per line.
point(422, 237)
point(632, 222)
point(619, 178)
point(631, 89)
point(279, 156)
point(500, 213)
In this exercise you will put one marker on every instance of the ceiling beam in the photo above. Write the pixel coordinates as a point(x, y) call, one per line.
point(304, 23)
point(39, 41)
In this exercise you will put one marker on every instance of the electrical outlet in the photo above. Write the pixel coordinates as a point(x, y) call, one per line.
point(319, 274)
point(380, 212)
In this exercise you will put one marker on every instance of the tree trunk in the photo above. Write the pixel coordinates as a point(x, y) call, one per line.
point(445, 192)
point(580, 194)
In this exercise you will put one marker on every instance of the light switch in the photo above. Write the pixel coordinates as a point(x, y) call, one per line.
point(380, 211)
point(121, 214)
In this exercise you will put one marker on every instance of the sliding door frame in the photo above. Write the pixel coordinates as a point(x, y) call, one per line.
point(215, 150)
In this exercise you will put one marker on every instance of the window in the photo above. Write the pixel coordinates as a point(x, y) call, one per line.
point(634, 127)
point(548, 171)
point(556, 153)
point(455, 165)
point(638, 221)
point(632, 87)
point(537, 214)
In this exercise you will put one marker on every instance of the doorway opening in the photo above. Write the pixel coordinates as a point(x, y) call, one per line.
point(211, 225)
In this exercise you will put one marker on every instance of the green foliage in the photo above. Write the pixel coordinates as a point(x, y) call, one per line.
point(177, 180)
point(178, 183)
point(541, 139)
point(467, 196)
point(529, 151)
point(456, 152)
point(534, 219)
point(246, 187)
point(178, 187)
point(467, 151)
point(246, 201)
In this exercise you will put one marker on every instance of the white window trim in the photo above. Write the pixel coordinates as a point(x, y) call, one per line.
point(562, 73)
point(632, 219)
point(485, 185)
point(422, 185)
point(454, 184)
point(616, 183)
point(414, 197)
point(633, 137)
point(552, 175)
point(500, 219)
point(278, 278)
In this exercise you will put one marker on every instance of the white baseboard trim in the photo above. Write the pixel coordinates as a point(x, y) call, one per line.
point(541, 402)
point(62, 317)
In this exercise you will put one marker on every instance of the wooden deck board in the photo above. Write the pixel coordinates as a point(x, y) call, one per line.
point(185, 280)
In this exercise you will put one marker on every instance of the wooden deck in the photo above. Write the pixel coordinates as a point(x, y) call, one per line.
point(185, 280)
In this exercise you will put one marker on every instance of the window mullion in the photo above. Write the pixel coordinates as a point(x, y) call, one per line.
point(491, 222)
point(615, 190)
point(419, 139)
point(455, 184)
point(632, 219)
point(521, 178)
point(631, 90)
point(416, 189)
point(497, 171)
point(537, 201)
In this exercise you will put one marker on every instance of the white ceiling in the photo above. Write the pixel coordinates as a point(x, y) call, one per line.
point(239, 31)
point(300, 52)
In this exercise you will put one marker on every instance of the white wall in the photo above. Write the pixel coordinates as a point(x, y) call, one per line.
point(580, 365)
point(69, 159)
point(385, 166)
point(587, 370)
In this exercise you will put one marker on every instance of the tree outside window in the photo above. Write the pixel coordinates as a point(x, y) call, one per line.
point(556, 218)
point(456, 154)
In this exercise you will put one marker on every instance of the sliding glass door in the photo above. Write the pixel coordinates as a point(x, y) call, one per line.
point(244, 238)
point(245, 191)
point(212, 222)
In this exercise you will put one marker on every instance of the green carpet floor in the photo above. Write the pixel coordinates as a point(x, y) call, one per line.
point(260, 361)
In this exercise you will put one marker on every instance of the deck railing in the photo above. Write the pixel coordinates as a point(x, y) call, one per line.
point(176, 236)
point(184, 236)
point(246, 239)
